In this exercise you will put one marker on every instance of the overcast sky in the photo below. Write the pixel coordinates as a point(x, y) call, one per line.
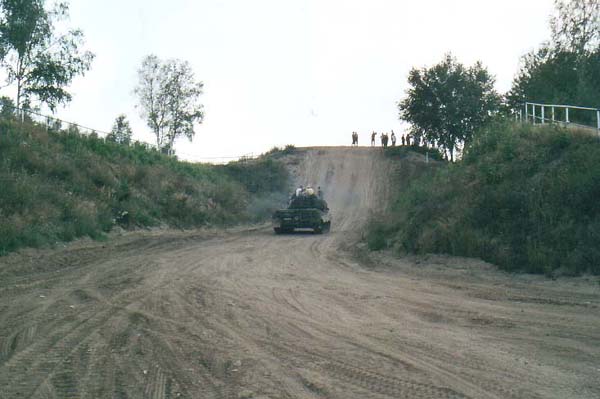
point(303, 72)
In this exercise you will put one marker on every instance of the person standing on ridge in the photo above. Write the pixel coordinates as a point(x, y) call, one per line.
point(373, 138)
point(393, 139)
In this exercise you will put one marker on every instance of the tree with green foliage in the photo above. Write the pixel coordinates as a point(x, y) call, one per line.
point(121, 131)
point(446, 103)
point(576, 27)
point(556, 76)
point(7, 108)
point(565, 70)
point(37, 58)
point(169, 99)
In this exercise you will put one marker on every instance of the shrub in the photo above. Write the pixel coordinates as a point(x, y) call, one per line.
point(523, 197)
point(60, 185)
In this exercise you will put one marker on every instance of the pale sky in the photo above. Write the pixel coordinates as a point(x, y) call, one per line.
point(304, 72)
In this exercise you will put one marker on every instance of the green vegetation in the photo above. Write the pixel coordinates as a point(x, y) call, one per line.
point(59, 185)
point(565, 69)
point(277, 152)
point(523, 197)
point(121, 131)
point(36, 56)
point(401, 152)
point(446, 103)
point(169, 100)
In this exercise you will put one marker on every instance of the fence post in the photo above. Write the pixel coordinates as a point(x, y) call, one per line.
point(542, 114)
point(526, 113)
point(598, 119)
point(552, 114)
point(533, 113)
point(567, 115)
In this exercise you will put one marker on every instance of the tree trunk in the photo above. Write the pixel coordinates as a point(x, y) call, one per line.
point(171, 143)
point(18, 103)
point(19, 87)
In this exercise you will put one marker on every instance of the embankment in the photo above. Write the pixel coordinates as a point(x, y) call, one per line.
point(60, 185)
point(524, 198)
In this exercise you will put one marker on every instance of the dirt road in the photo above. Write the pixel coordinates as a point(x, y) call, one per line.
point(247, 314)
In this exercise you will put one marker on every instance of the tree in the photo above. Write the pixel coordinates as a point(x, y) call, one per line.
point(169, 99)
point(556, 76)
point(576, 27)
point(446, 103)
point(7, 108)
point(121, 131)
point(37, 58)
point(565, 70)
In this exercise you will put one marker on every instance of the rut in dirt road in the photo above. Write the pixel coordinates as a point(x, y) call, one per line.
point(247, 314)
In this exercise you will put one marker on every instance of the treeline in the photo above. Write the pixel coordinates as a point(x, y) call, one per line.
point(522, 197)
point(447, 103)
point(39, 60)
point(566, 69)
point(58, 185)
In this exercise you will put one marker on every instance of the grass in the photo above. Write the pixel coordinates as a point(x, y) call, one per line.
point(523, 197)
point(401, 152)
point(60, 185)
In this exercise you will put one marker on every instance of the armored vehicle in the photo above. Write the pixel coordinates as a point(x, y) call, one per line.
point(303, 212)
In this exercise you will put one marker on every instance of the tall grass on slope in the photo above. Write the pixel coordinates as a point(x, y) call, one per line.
point(56, 186)
point(525, 198)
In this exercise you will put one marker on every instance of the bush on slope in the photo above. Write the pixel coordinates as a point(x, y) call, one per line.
point(525, 198)
point(56, 186)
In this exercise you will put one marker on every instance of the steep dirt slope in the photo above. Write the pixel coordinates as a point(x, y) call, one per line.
point(247, 314)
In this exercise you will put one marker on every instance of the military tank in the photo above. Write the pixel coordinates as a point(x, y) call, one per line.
point(305, 211)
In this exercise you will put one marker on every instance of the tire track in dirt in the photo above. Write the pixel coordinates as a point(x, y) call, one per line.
point(245, 313)
point(47, 361)
point(370, 381)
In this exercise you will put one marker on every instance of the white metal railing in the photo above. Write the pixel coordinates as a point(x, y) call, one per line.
point(542, 117)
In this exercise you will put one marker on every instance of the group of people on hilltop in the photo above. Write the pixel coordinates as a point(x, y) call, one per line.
point(405, 140)
point(385, 138)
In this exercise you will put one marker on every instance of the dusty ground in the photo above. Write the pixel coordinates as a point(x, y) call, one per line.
point(247, 314)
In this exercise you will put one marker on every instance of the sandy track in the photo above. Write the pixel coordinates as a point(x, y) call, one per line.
point(247, 314)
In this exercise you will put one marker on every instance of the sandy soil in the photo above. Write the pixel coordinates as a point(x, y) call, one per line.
point(246, 314)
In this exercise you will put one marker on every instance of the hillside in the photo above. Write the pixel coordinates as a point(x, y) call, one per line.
point(57, 186)
point(524, 198)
